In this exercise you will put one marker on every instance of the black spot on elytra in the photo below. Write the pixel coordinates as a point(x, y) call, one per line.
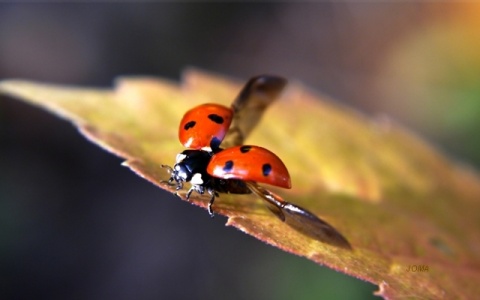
point(216, 118)
point(266, 169)
point(245, 149)
point(215, 144)
point(228, 166)
point(189, 125)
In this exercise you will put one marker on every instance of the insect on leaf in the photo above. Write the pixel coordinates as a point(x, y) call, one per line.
point(410, 214)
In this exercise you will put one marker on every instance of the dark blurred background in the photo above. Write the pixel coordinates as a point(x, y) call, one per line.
point(74, 224)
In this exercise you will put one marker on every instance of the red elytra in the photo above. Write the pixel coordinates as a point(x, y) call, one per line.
point(205, 124)
point(249, 163)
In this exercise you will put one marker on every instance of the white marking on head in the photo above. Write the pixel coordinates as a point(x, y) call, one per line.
point(197, 179)
point(207, 149)
point(180, 157)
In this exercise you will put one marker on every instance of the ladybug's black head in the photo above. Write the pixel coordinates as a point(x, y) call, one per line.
point(189, 163)
point(181, 172)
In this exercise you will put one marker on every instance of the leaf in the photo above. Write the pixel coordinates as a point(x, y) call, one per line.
point(400, 203)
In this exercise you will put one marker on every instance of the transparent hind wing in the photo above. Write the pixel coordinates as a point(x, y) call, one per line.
point(300, 219)
point(274, 203)
point(252, 101)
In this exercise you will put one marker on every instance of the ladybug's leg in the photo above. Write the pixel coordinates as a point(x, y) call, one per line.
point(179, 185)
point(210, 203)
point(195, 187)
point(189, 193)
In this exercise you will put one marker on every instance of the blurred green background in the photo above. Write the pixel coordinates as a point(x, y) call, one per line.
point(74, 224)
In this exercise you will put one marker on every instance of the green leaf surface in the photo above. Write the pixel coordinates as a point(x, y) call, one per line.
point(410, 214)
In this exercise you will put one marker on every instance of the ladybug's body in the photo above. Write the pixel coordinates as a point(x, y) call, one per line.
point(191, 166)
point(209, 168)
point(238, 168)
point(226, 170)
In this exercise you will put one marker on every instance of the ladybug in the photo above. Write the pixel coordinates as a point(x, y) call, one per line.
point(212, 169)
point(237, 169)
